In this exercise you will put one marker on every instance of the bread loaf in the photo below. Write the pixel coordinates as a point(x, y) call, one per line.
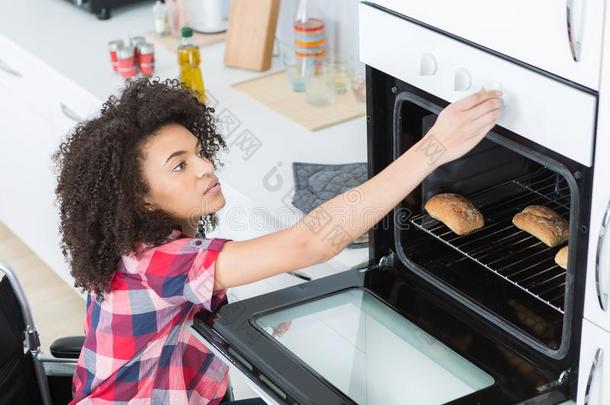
point(543, 223)
point(561, 258)
point(455, 211)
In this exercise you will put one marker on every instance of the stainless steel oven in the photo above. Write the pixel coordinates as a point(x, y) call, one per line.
point(433, 317)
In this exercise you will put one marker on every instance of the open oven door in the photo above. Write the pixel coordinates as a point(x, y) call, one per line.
point(372, 335)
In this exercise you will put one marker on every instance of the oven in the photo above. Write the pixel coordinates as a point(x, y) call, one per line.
point(433, 317)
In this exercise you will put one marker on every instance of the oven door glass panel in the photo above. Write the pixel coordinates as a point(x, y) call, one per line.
point(369, 336)
point(371, 353)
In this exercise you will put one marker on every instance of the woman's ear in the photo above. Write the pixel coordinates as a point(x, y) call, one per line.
point(148, 206)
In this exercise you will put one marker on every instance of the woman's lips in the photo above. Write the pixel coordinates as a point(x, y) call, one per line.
point(213, 189)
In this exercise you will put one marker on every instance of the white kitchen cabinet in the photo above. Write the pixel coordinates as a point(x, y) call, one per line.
point(535, 32)
point(594, 368)
point(39, 106)
point(26, 76)
point(597, 296)
point(27, 178)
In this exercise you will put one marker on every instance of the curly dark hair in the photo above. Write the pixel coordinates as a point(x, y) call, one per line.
point(100, 186)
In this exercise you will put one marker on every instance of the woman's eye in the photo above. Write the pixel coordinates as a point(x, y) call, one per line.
point(179, 167)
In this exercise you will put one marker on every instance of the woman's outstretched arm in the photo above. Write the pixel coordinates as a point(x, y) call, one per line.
point(330, 227)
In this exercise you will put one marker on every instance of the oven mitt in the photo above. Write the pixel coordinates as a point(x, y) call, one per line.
point(317, 183)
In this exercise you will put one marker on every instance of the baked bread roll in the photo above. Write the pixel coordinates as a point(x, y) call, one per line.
point(455, 211)
point(543, 223)
point(561, 258)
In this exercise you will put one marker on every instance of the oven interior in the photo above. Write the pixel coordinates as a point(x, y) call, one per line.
point(507, 271)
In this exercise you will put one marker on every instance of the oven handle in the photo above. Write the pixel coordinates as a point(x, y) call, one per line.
point(574, 26)
point(592, 372)
point(601, 284)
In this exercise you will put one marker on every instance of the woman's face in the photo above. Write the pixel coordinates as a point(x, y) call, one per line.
point(179, 176)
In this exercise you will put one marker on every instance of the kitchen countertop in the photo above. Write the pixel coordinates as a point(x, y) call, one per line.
point(74, 43)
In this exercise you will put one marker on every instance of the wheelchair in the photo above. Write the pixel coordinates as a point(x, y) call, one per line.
point(27, 375)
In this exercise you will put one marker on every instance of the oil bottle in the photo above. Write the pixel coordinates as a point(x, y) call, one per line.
point(189, 59)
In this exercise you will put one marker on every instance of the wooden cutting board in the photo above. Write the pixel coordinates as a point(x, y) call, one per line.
point(250, 34)
point(275, 91)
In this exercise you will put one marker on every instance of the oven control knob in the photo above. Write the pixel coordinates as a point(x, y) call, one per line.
point(497, 86)
point(461, 80)
point(427, 65)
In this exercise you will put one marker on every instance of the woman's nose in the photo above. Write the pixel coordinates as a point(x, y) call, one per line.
point(204, 167)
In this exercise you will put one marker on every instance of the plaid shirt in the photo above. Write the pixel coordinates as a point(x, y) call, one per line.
point(137, 348)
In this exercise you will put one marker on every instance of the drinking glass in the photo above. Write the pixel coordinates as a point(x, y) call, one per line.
point(320, 83)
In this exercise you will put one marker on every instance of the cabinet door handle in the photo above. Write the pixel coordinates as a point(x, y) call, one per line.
point(601, 269)
point(9, 69)
point(69, 113)
point(574, 12)
point(594, 366)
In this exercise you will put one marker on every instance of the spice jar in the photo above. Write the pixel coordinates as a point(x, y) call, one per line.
point(135, 41)
point(127, 64)
point(113, 48)
point(146, 58)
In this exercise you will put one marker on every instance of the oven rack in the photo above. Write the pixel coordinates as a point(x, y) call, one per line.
point(505, 250)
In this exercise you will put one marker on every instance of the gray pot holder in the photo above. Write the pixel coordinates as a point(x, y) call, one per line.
point(317, 183)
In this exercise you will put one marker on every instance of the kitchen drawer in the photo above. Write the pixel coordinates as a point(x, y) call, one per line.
point(41, 87)
point(26, 76)
point(70, 105)
point(13, 64)
point(593, 370)
point(535, 32)
point(546, 111)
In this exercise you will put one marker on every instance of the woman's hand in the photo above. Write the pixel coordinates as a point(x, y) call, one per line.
point(461, 126)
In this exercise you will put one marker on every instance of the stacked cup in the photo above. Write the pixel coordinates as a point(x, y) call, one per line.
point(309, 40)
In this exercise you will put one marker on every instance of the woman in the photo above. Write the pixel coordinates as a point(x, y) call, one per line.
point(134, 184)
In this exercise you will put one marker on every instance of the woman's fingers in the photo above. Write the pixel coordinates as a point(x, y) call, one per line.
point(468, 102)
point(476, 98)
point(483, 124)
point(484, 108)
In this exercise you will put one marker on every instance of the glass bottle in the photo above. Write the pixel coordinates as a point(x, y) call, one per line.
point(189, 59)
point(309, 31)
point(161, 18)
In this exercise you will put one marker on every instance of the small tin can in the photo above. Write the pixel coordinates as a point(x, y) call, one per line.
point(135, 41)
point(127, 64)
point(146, 58)
point(113, 48)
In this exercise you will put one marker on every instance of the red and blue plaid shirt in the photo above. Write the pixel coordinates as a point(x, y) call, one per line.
point(137, 347)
